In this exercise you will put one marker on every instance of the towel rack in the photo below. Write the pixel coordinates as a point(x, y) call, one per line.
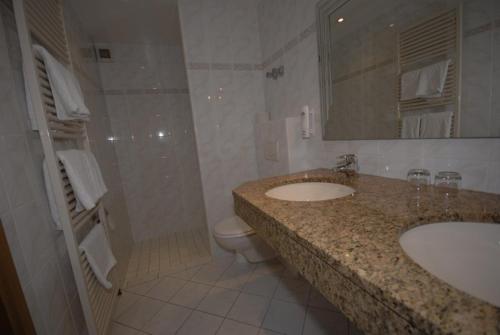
point(429, 41)
point(43, 21)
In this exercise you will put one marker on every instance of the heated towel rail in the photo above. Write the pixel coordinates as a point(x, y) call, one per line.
point(42, 21)
point(429, 41)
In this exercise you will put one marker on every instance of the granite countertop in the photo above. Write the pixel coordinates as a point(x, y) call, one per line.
point(359, 236)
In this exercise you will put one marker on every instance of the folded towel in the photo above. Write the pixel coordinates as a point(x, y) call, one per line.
point(409, 85)
point(432, 79)
point(51, 197)
point(410, 127)
point(436, 125)
point(68, 96)
point(84, 175)
point(99, 254)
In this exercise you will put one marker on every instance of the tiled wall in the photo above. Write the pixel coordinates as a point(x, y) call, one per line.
point(282, 42)
point(148, 102)
point(481, 69)
point(39, 251)
point(222, 49)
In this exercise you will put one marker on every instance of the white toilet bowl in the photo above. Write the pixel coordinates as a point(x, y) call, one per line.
point(235, 235)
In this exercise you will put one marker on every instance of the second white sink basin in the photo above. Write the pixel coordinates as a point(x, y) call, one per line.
point(314, 191)
point(465, 255)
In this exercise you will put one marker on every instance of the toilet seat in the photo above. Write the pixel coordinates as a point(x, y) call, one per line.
point(232, 227)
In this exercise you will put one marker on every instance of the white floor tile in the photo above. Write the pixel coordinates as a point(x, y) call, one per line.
point(166, 288)
point(210, 273)
point(200, 323)
point(230, 327)
point(236, 276)
point(186, 274)
point(143, 288)
point(190, 295)
point(141, 278)
point(218, 301)
point(324, 322)
point(274, 266)
point(263, 331)
point(294, 290)
point(250, 309)
point(124, 302)
point(140, 312)
point(285, 317)
point(168, 320)
point(264, 284)
point(117, 329)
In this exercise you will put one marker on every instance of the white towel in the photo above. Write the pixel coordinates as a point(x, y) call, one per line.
point(409, 85)
point(84, 175)
point(51, 197)
point(68, 95)
point(99, 254)
point(432, 79)
point(410, 127)
point(436, 125)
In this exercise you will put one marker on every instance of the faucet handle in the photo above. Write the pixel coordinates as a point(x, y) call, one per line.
point(349, 161)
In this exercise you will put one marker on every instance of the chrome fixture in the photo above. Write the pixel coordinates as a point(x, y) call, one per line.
point(276, 72)
point(346, 163)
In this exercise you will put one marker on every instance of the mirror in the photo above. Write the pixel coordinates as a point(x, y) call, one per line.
point(409, 69)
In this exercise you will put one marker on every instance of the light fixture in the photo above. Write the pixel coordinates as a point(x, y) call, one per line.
point(340, 20)
point(161, 134)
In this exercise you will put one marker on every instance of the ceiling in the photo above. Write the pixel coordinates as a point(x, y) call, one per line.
point(130, 21)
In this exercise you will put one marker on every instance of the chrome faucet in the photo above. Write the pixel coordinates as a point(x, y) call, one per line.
point(346, 163)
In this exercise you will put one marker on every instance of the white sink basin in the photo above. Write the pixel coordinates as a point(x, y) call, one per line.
point(465, 255)
point(315, 191)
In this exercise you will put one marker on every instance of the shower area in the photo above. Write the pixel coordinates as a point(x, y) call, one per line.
point(145, 89)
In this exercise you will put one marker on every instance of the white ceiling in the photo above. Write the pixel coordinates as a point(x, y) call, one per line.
point(130, 21)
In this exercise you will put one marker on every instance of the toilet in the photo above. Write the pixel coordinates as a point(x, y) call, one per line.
point(235, 235)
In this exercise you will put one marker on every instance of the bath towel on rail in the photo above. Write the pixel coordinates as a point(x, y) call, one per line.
point(99, 254)
point(84, 176)
point(67, 93)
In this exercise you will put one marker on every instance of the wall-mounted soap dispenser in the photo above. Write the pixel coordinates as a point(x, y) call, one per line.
point(307, 116)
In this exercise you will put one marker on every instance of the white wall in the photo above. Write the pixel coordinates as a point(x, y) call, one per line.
point(288, 41)
point(146, 92)
point(222, 50)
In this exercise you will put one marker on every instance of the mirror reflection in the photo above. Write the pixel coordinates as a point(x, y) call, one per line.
point(409, 69)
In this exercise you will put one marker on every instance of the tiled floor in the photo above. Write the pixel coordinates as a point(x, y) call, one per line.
point(175, 287)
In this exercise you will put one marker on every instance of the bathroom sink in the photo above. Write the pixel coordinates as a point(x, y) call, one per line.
point(465, 255)
point(314, 191)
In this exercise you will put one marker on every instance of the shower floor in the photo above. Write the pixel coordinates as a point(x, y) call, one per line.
point(174, 286)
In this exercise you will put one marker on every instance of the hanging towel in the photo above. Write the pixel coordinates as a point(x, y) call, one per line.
point(84, 175)
point(68, 96)
point(51, 197)
point(99, 254)
point(432, 79)
point(436, 125)
point(410, 127)
point(409, 85)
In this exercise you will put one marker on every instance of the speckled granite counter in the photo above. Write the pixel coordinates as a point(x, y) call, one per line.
point(349, 249)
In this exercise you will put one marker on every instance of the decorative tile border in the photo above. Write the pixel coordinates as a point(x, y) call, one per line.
point(482, 28)
point(289, 45)
point(364, 70)
point(225, 66)
point(147, 91)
